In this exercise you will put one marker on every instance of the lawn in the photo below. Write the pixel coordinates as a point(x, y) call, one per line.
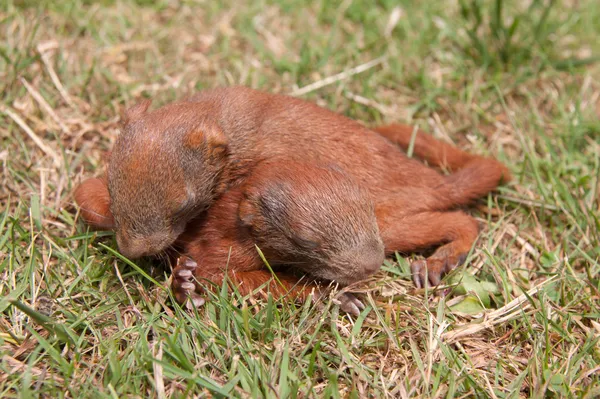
point(517, 80)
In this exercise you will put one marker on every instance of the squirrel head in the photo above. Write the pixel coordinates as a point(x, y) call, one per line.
point(164, 170)
point(316, 218)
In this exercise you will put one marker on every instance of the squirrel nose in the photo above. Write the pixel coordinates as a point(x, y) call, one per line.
point(132, 249)
point(370, 256)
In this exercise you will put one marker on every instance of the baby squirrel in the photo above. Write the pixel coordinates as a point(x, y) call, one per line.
point(303, 217)
point(170, 165)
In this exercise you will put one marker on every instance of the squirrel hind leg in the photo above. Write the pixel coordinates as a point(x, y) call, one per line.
point(455, 231)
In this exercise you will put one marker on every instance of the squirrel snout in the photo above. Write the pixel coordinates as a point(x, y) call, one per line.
point(359, 263)
point(137, 247)
point(367, 258)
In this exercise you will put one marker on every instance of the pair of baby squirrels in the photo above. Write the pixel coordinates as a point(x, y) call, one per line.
point(234, 168)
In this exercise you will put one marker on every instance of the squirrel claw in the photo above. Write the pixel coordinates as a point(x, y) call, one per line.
point(430, 271)
point(350, 304)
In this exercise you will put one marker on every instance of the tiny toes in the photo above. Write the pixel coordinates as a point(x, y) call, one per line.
point(434, 279)
point(183, 283)
point(350, 304)
point(359, 304)
point(185, 293)
point(350, 308)
point(418, 269)
point(427, 272)
point(186, 262)
point(195, 301)
point(430, 271)
point(460, 259)
point(184, 274)
point(188, 286)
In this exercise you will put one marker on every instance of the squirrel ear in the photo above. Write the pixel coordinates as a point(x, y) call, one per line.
point(94, 200)
point(246, 212)
point(136, 111)
point(207, 138)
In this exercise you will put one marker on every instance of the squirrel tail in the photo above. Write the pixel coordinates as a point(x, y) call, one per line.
point(472, 176)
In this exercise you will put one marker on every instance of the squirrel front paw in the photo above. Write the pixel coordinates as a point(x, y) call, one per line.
point(184, 284)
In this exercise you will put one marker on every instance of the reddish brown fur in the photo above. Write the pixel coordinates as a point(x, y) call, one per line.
point(425, 220)
point(249, 126)
point(474, 176)
point(242, 127)
point(94, 202)
point(215, 241)
point(221, 246)
point(303, 217)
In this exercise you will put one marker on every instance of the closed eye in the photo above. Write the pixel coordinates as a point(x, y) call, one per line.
point(305, 243)
point(187, 209)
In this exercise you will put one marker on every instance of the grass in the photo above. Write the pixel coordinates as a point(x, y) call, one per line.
point(515, 80)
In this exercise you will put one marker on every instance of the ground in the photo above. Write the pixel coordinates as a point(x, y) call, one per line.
point(515, 80)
